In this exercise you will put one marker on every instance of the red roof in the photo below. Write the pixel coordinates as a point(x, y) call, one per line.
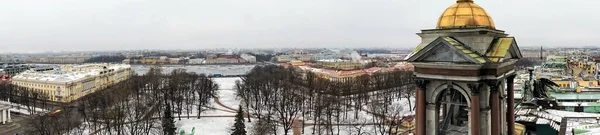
point(4, 78)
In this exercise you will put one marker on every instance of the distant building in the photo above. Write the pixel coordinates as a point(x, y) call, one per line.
point(154, 60)
point(69, 82)
point(248, 58)
point(174, 60)
point(305, 58)
point(12, 69)
point(196, 61)
point(297, 63)
point(222, 60)
point(58, 60)
point(342, 76)
point(126, 61)
point(283, 58)
point(342, 64)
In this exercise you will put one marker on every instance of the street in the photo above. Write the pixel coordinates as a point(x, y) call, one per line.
point(17, 126)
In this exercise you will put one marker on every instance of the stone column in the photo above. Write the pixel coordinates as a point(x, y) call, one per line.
point(510, 110)
point(485, 121)
point(8, 113)
point(475, 120)
point(420, 112)
point(495, 105)
point(3, 119)
point(432, 119)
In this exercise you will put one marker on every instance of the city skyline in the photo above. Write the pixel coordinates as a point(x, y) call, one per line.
point(43, 26)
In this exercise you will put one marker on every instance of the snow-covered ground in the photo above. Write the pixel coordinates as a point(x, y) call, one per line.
point(214, 125)
point(227, 95)
point(206, 126)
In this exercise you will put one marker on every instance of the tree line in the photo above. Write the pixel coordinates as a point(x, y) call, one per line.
point(277, 96)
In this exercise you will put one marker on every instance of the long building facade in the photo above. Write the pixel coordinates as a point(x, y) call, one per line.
point(70, 82)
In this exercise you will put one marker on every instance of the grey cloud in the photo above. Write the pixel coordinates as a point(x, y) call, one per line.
point(41, 25)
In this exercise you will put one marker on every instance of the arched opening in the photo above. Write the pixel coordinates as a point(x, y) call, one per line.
point(452, 107)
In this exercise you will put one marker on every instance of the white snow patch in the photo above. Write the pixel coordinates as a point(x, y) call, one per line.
point(206, 126)
point(226, 83)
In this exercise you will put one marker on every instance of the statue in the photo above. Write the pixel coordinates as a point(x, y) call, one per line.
point(535, 92)
point(541, 87)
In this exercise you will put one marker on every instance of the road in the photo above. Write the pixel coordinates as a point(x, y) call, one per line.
point(17, 126)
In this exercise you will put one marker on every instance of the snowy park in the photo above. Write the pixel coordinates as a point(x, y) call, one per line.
point(218, 119)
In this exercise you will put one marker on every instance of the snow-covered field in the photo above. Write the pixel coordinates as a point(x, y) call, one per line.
point(206, 126)
point(214, 125)
point(211, 125)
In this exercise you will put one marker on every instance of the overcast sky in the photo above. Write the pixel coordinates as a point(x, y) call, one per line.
point(74, 25)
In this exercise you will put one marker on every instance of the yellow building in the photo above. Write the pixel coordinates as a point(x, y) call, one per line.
point(563, 84)
point(341, 64)
point(581, 64)
point(283, 58)
point(591, 69)
point(592, 83)
point(154, 60)
point(69, 83)
point(297, 63)
point(305, 58)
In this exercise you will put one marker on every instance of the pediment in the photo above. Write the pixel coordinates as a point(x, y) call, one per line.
point(446, 49)
point(443, 53)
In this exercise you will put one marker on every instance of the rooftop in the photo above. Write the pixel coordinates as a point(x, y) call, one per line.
point(399, 66)
point(68, 73)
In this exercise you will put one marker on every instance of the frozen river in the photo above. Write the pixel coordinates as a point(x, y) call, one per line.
point(200, 69)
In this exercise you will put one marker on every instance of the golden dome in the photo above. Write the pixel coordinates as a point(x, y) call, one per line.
point(465, 14)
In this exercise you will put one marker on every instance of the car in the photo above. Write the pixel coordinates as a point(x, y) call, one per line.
point(55, 112)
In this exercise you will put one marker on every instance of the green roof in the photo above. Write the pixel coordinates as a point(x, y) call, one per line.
point(576, 96)
point(465, 49)
point(499, 49)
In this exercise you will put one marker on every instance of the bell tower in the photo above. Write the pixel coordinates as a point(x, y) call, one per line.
point(465, 71)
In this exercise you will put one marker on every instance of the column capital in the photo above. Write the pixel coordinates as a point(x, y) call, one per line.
point(494, 85)
point(421, 83)
point(475, 87)
point(511, 77)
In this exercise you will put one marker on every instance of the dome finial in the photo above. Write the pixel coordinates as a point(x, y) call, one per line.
point(464, 0)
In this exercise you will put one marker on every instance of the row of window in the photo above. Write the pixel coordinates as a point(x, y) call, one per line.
point(35, 85)
point(563, 85)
